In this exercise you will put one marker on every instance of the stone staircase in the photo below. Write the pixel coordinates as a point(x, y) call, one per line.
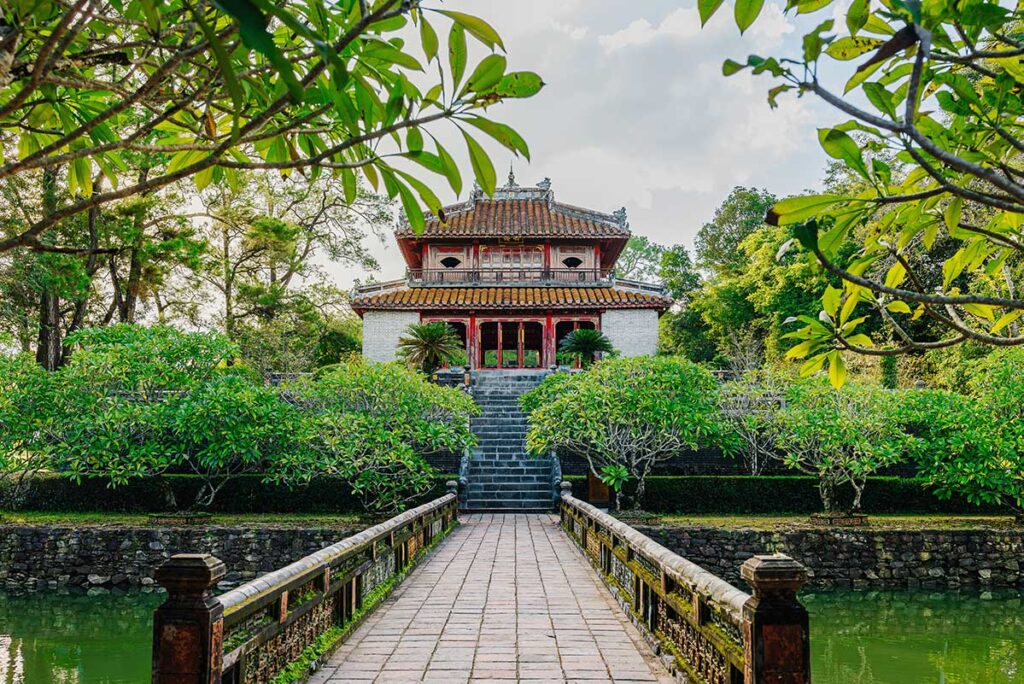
point(499, 475)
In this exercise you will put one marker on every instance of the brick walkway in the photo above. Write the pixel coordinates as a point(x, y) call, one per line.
point(505, 598)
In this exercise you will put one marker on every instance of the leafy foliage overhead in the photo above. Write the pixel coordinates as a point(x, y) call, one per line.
point(206, 90)
point(934, 135)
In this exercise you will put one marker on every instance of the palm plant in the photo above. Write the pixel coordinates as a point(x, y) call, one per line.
point(428, 346)
point(584, 344)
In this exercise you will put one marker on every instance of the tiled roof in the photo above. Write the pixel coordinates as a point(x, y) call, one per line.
point(521, 213)
point(510, 298)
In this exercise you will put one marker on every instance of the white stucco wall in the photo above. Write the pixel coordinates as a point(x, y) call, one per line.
point(381, 330)
point(634, 332)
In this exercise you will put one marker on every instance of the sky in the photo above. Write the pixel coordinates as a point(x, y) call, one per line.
point(637, 114)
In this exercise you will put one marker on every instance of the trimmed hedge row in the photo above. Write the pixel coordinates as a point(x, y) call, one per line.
point(693, 494)
point(727, 494)
point(245, 494)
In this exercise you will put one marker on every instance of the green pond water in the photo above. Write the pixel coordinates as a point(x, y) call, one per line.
point(857, 638)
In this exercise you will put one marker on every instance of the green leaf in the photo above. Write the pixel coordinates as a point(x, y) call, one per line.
point(476, 26)
point(504, 134)
point(798, 209)
point(836, 369)
point(252, 27)
point(452, 172)
point(857, 15)
point(519, 84)
point(457, 54)
point(227, 70)
point(707, 9)
point(898, 306)
point(896, 275)
point(879, 96)
point(830, 300)
point(839, 145)
point(428, 38)
point(952, 214)
point(483, 169)
point(746, 12)
point(487, 73)
point(730, 67)
point(349, 183)
point(414, 140)
point(1006, 319)
point(849, 47)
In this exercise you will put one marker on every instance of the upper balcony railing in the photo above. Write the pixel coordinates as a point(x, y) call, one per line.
point(508, 276)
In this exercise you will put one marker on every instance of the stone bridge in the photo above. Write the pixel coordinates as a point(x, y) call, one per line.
point(575, 596)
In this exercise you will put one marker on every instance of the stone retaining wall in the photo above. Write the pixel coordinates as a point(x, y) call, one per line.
point(861, 558)
point(49, 557)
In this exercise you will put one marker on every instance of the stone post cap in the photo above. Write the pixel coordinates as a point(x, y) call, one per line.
point(777, 573)
point(566, 487)
point(190, 573)
point(452, 486)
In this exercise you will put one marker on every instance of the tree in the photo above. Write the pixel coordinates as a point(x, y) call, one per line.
point(640, 260)
point(935, 91)
point(214, 89)
point(584, 345)
point(839, 436)
point(428, 346)
point(972, 444)
point(718, 241)
point(369, 423)
point(748, 406)
point(269, 237)
point(631, 413)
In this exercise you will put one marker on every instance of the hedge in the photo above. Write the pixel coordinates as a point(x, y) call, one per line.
point(693, 494)
point(244, 494)
point(745, 494)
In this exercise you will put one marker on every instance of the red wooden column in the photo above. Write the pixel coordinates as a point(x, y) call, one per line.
point(472, 341)
point(549, 341)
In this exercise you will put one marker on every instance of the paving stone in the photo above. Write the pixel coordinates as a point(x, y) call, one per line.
point(506, 598)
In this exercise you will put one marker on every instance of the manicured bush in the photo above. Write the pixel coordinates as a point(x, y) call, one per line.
point(776, 495)
point(841, 436)
point(142, 402)
point(626, 415)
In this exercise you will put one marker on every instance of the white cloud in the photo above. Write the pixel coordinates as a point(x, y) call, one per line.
point(637, 113)
point(573, 32)
point(682, 24)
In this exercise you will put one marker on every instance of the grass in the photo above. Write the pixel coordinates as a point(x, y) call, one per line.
point(277, 520)
point(875, 522)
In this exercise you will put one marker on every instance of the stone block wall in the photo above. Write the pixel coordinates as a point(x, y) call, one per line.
point(49, 557)
point(381, 330)
point(861, 558)
point(633, 332)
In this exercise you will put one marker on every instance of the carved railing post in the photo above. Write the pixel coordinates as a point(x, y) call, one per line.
point(188, 629)
point(775, 624)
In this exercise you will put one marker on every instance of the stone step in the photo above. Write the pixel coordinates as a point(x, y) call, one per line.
point(501, 478)
point(494, 490)
point(511, 506)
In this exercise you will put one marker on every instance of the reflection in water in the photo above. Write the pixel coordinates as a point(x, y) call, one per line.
point(76, 638)
point(856, 638)
point(917, 638)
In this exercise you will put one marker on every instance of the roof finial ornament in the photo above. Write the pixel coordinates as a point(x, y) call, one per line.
point(545, 184)
point(511, 176)
point(620, 216)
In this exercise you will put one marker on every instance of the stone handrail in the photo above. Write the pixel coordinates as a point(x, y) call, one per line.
point(251, 633)
point(710, 631)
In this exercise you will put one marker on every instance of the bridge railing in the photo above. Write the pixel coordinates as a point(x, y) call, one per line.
point(713, 632)
point(253, 632)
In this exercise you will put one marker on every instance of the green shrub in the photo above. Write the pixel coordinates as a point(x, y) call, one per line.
point(631, 413)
